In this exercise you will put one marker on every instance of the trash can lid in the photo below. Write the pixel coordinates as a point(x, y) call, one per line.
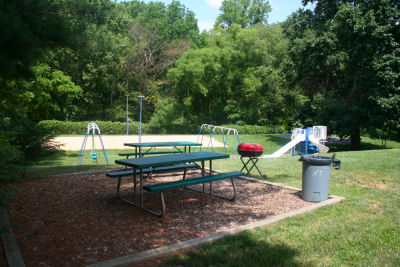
point(317, 160)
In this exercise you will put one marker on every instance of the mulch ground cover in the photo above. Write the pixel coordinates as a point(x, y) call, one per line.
point(75, 220)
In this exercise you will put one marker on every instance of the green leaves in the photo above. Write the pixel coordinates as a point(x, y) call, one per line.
point(235, 78)
point(348, 53)
point(243, 12)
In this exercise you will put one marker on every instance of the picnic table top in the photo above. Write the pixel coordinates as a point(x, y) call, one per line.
point(163, 144)
point(155, 161)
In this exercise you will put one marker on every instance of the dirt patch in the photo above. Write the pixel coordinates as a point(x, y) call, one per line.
point(77, 220)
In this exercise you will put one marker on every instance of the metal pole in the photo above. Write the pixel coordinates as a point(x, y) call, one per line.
point(140, 119)
point(127, 116)
point(93, 133)
point(307, 134)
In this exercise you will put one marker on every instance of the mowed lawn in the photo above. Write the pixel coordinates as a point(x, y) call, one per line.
point(363, 230)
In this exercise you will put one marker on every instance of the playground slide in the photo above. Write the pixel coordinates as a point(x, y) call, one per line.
point(288, 146)
point(321, 148)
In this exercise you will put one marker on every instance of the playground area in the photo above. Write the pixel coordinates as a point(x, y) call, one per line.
point(117, 141)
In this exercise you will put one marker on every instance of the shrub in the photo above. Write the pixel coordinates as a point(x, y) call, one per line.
point(158, 125)
point(106, 127)
point(255, 129)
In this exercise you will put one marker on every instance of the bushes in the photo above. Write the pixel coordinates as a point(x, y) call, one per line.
point(22, 142)
point(255, 129)
point(106, 127)
point(175, 127)
point(116, 128)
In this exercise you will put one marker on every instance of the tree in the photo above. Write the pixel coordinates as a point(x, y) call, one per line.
point(172, 22)
point(182, 22)
point(47, 95)
point(346, 56)
point(94, 62)
point(28, 28)
point(243, 12)
point(235, 78)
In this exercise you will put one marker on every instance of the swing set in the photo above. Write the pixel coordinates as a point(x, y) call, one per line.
point(211, 130)
point(92, 127)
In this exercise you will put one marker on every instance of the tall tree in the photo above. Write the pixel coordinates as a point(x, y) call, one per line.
point(243, 12)
point(346, 55)
point(235, 78)
point(27, 29)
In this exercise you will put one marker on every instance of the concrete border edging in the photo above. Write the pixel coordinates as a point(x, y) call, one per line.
point(162, 251)
point(10, 247)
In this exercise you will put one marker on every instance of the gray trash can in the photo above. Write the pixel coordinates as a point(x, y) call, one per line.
point(316, 174)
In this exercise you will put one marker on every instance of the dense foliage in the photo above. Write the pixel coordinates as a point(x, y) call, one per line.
point(346, 57)
point(79, 60)
point(119, 128)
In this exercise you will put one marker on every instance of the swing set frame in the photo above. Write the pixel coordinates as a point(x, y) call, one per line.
point(211, 130)
point(92, 127)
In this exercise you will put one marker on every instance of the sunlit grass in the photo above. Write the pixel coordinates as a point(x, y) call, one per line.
point(361, 231)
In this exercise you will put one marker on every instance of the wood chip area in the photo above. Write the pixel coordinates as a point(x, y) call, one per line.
point(77, 220)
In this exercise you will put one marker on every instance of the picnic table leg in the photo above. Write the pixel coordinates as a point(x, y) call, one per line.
point(234, 192)
point(141, 187)
point(203, 173)
point(163, 204)
point(184, 174)
point(118, 185)
point(210, 174)
point(134, 185)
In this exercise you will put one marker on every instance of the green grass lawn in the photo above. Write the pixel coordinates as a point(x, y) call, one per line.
point(361, 231)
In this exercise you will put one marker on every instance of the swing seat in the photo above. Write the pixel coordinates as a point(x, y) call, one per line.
point(93, 155)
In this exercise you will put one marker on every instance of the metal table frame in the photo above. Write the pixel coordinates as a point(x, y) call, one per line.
point(156, 161)
point(150, 145)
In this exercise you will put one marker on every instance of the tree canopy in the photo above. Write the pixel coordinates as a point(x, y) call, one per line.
point(243, 12)
point(346, 57)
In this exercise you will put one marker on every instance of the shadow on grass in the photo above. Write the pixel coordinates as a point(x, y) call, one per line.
point(63, 162)
point(37, 172)
point(245, 249)
point(57, 156)
point(363, 146)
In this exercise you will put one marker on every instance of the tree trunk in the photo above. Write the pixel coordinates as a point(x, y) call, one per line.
point(355, 139)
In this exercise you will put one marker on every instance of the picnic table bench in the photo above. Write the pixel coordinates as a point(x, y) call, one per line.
point(140, 165)
point(127, 155)
point(129, 172)
point(161, 187)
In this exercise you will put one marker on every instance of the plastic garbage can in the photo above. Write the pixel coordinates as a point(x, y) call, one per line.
point(316, 174)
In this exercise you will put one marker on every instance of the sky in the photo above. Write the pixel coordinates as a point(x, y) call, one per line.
point(207, 11)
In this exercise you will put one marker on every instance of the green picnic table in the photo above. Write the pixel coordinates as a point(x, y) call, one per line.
point(140, 164)
point(151, 145)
